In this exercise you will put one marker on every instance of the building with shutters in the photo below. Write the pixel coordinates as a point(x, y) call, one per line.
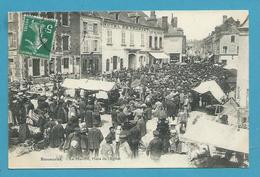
point(90, 43)
point(223, 43)
point(15, 62)
point(174, 39)
point(129, 40)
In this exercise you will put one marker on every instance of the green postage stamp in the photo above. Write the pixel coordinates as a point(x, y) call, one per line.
point(37, 36)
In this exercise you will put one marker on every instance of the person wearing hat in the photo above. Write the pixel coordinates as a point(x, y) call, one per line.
point(82, 109)
point(57, 135)
point(84, 142)
point(134, 137)
point(121, 117)
point(114, 117)
point(61, 112)
point(124, 148)
point(95, 138)
point(73, 145)
point(89, 116)
point(155, 147)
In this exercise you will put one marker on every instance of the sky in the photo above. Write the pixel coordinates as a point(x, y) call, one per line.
point(198, 24)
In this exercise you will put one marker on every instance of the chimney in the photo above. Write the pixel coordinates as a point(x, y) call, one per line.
point(152, 15)
point(224, 18)
point(174, 22)
point(165, 23)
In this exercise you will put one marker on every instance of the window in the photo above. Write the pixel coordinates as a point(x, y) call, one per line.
point(237, 49)
point(123, 38)
point(12, 40)
point(107, 65)
point(109, 37)
point(160, 42)
point(225, 49)
point(85, 27)
point(131, 39)
point(65, 42)
point(150, 41)
point(66, 63)
point(232, 39)
point(65, 19)
point(95, 28)
point(142, 40)
point(77, 61)
point(155, 42)
point(10, 16)
point(121, 63)
point(114, 60)
point(95, 45)
point(85, 46)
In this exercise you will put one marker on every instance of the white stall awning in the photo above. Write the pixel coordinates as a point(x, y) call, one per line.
point(217, 134)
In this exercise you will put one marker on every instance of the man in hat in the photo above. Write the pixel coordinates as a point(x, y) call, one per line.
point(95, 138)
point(82, 108)
point(89, 116)
point(121, 117)
point(155, 147)
point(84, 140)
point(61, 112)
point(114, 117)
point(57, 135)
point(134, 137)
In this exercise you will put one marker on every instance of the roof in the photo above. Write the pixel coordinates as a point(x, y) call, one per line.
point(128, 17)
point(245, 23)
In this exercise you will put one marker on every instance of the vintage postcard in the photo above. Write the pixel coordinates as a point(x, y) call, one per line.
point(128, 89)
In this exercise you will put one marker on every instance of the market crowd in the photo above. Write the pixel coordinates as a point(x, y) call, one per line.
point(72, 123)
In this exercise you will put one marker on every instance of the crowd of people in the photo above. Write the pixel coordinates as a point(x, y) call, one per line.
point(72, 124)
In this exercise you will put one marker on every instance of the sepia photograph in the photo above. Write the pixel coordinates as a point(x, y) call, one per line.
point(128, 89)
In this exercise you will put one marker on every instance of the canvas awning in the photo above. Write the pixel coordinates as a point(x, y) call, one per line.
point(213, 87)
point(217, 134)
point(159, 55)
point(88, 84)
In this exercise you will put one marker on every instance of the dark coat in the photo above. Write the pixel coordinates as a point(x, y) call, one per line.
point(155, 148)
point(142, 126)
point(95, 138)
point(134, 136)
point(24, 132)
point(57, 136)
point(84, 142)
point(121, 118)
point(96, 118)
point(62, 114)
point(89, 118)
point(114, 117)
